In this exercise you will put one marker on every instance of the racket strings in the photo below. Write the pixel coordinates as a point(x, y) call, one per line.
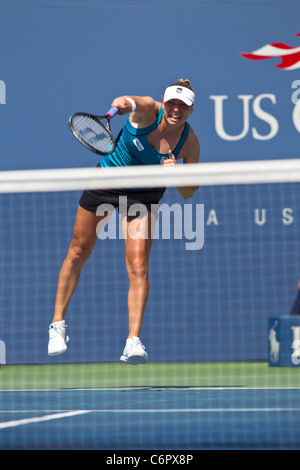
point(94, 133)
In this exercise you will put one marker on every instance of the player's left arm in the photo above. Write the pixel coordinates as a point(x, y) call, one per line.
point(191, 154)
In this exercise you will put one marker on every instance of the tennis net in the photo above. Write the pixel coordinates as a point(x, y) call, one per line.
point(221, 263)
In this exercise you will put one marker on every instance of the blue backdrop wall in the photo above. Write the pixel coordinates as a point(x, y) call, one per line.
point(58, 57)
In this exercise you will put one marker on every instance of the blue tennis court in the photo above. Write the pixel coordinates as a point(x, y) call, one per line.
point(154, 418)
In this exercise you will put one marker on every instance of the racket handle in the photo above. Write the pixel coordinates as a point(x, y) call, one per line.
point(112, 112)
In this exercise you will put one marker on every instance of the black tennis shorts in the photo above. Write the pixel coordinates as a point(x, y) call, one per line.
point(120, 198)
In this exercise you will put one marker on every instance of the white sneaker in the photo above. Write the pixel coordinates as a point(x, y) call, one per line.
point(134, 352)
point(57, 339)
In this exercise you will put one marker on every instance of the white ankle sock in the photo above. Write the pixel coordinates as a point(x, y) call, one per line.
point(59, 323)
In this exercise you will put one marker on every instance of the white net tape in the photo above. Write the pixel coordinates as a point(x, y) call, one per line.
point(203, 174)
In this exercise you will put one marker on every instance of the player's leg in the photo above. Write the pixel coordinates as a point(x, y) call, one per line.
point(82, 245)
point(138, 241)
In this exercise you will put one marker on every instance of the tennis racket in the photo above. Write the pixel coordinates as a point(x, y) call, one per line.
point(94, 132)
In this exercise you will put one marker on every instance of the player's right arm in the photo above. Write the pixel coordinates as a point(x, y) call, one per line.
point(145, 112)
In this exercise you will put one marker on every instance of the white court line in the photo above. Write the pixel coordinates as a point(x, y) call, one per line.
point(197, 410)
point(156, 410)
point(144, 388)
point(21, 422)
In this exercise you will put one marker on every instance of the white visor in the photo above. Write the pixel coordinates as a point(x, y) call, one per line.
point(182, 93)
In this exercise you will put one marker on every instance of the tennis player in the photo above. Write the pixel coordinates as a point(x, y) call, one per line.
point(154, 133)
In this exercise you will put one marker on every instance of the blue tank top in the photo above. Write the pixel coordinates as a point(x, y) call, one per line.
point(133, 147)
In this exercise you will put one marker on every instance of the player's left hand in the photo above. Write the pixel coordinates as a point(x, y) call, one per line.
point(171, 160)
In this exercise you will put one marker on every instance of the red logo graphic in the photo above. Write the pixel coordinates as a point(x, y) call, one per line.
point(290, 55)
